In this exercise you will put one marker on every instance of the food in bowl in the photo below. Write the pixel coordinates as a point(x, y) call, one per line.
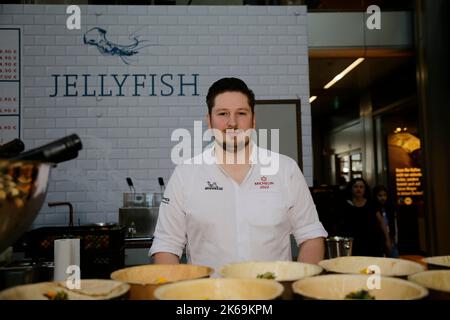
point(360, 295)
point(161, 280)
point(284, 272)
point(339, 286)
point(90, 289)
point(366, 265)
point(266, 275)
point(367, 271)
point(56, 295)
point(281, 270)
point(145, 279)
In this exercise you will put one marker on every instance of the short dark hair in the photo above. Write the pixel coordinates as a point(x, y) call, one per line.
point(229, 85)
point(366, 188)
point(378, 189)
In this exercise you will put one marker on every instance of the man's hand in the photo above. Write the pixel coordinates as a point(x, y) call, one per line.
point(311, 251)
point(165, 258)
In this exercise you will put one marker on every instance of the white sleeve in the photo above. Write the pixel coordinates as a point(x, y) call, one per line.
point(170, 230)
point(302, 211)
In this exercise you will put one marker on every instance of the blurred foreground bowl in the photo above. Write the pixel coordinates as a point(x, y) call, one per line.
point(438, 262)
point(436, 281)
point(90, 289)
point(220, 289)
point(338, 286)
point(361, 265)
point(23, 186)
point(146, 278)
point(285, 272)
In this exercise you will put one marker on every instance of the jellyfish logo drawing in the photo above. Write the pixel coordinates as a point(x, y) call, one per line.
point(97, 37)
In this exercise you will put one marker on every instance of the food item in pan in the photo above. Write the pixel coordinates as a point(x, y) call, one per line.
point(16, 182)
point(360, 294)
point(266, 275)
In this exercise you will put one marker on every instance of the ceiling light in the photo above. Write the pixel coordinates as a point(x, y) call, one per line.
point(344, 72)
point(312, 99)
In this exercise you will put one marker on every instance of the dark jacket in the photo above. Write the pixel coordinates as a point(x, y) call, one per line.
point(361, 224)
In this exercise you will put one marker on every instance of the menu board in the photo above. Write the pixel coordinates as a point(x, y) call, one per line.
point(404, 167)
point(408, 181)
point(10, 84)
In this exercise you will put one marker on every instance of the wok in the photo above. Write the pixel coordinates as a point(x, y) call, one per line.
point(23, 186)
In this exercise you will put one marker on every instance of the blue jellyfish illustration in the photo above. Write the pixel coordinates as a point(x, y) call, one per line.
point(97, 37)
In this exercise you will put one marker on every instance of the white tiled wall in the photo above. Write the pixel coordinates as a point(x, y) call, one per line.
point(130, 136)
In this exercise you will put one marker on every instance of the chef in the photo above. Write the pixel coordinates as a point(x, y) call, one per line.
point(223, 207)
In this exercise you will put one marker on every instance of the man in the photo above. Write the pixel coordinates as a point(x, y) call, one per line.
point(225, 210)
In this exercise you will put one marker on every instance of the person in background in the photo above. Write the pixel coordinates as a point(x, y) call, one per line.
point(223, 210)
point(359, 220)
point(389, 218)
point(342, 186)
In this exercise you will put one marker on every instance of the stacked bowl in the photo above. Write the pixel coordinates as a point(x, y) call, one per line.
point(358, 277)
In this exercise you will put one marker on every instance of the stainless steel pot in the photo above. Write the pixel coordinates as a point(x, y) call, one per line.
point(102, 224)
point(338, 247)
point(14, 276)
point(25, 272)
point(136, 199)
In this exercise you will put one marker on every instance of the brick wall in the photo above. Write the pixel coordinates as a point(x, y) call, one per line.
point(130, 135)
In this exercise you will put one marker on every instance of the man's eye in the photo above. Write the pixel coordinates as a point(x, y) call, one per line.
point(243, 113)
point(221, 113)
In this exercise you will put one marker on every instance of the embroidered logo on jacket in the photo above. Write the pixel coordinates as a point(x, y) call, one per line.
point(165, 200)
point(264, 183)
point(212, 186)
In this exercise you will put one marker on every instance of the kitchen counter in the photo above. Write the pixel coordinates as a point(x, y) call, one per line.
point(138, 242)
point(136, 251)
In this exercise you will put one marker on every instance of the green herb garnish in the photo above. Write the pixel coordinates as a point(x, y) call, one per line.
point(56, 295)
point(361, 295)
point(267, 275)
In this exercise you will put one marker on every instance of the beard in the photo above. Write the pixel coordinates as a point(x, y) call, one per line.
point(233, 143)
point(235, 147)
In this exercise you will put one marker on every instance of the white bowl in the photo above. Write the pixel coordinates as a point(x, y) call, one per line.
point(91, 289)
point(359, 265)
point(282, 270)
point(438, 262)
point(338, 286)
point(437, 281)
point(220, 289)
point(146, 278)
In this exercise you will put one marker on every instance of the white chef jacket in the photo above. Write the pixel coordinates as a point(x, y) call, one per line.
point(220, 221)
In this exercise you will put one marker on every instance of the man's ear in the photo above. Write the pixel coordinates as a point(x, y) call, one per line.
point(208, 120)
point(254, 121)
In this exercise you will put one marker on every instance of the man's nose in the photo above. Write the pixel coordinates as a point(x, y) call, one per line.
point(232, 121)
